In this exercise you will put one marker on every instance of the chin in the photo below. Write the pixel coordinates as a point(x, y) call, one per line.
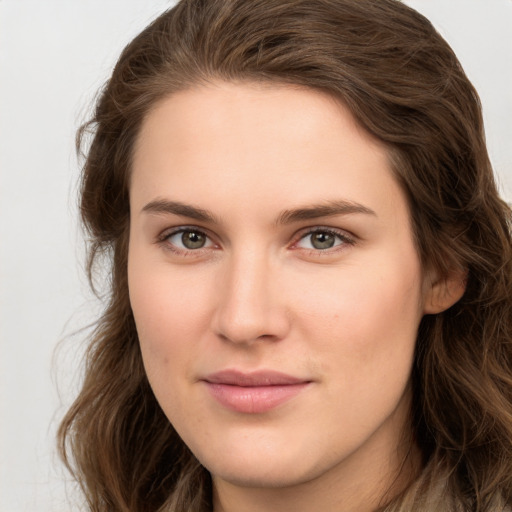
point(261, 477)
point(262, 470)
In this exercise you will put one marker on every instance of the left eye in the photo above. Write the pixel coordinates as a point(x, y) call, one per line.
point(189, 239)
point(321, 240)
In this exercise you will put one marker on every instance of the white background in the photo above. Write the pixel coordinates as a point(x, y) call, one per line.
point(53, 57)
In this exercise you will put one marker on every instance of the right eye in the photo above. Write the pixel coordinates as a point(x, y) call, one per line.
point(187, 239)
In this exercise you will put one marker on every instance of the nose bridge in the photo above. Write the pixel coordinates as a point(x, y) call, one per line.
point(247, 307)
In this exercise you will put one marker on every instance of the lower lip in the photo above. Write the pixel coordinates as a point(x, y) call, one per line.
point(254, 399)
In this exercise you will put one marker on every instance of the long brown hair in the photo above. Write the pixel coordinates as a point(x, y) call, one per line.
point(404, 85)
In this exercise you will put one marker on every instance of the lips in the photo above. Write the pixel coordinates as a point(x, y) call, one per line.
point(253, 393)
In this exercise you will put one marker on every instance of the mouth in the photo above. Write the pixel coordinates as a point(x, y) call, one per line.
point(253, 393)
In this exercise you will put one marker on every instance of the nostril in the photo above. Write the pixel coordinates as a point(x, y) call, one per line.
point(241, 338)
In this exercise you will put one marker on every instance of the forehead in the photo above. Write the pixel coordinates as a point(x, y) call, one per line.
point(266, 142)
point(267, 109)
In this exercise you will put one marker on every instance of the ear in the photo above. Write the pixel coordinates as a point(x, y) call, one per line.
point(442, 293)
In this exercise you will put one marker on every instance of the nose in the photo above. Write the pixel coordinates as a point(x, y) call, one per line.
point(250, 305)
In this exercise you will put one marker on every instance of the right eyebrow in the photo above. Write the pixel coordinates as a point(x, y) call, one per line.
point(164, 206)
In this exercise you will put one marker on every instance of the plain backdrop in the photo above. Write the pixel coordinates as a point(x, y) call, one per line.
point(53, 57)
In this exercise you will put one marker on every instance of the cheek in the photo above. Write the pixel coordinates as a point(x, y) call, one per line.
point(367, 316)
point(169, 311)
point(364, 331)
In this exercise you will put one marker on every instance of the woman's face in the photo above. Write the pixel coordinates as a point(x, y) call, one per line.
point(274, 282)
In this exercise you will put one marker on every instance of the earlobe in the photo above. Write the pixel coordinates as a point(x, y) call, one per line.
point(443, 293)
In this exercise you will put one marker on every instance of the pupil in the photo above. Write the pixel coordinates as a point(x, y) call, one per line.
point(322, 240)
point(192, 240)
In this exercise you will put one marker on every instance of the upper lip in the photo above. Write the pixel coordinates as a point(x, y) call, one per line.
point(257, 378)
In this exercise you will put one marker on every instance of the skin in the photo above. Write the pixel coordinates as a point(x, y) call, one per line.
point(260, 295)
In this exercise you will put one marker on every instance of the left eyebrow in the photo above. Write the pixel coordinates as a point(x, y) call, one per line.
point(327, 209)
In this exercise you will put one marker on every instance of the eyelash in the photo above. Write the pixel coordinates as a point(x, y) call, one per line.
point(163, 240)
point(343, 238)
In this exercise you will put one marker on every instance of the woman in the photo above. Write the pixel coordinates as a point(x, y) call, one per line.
point(311, 269)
